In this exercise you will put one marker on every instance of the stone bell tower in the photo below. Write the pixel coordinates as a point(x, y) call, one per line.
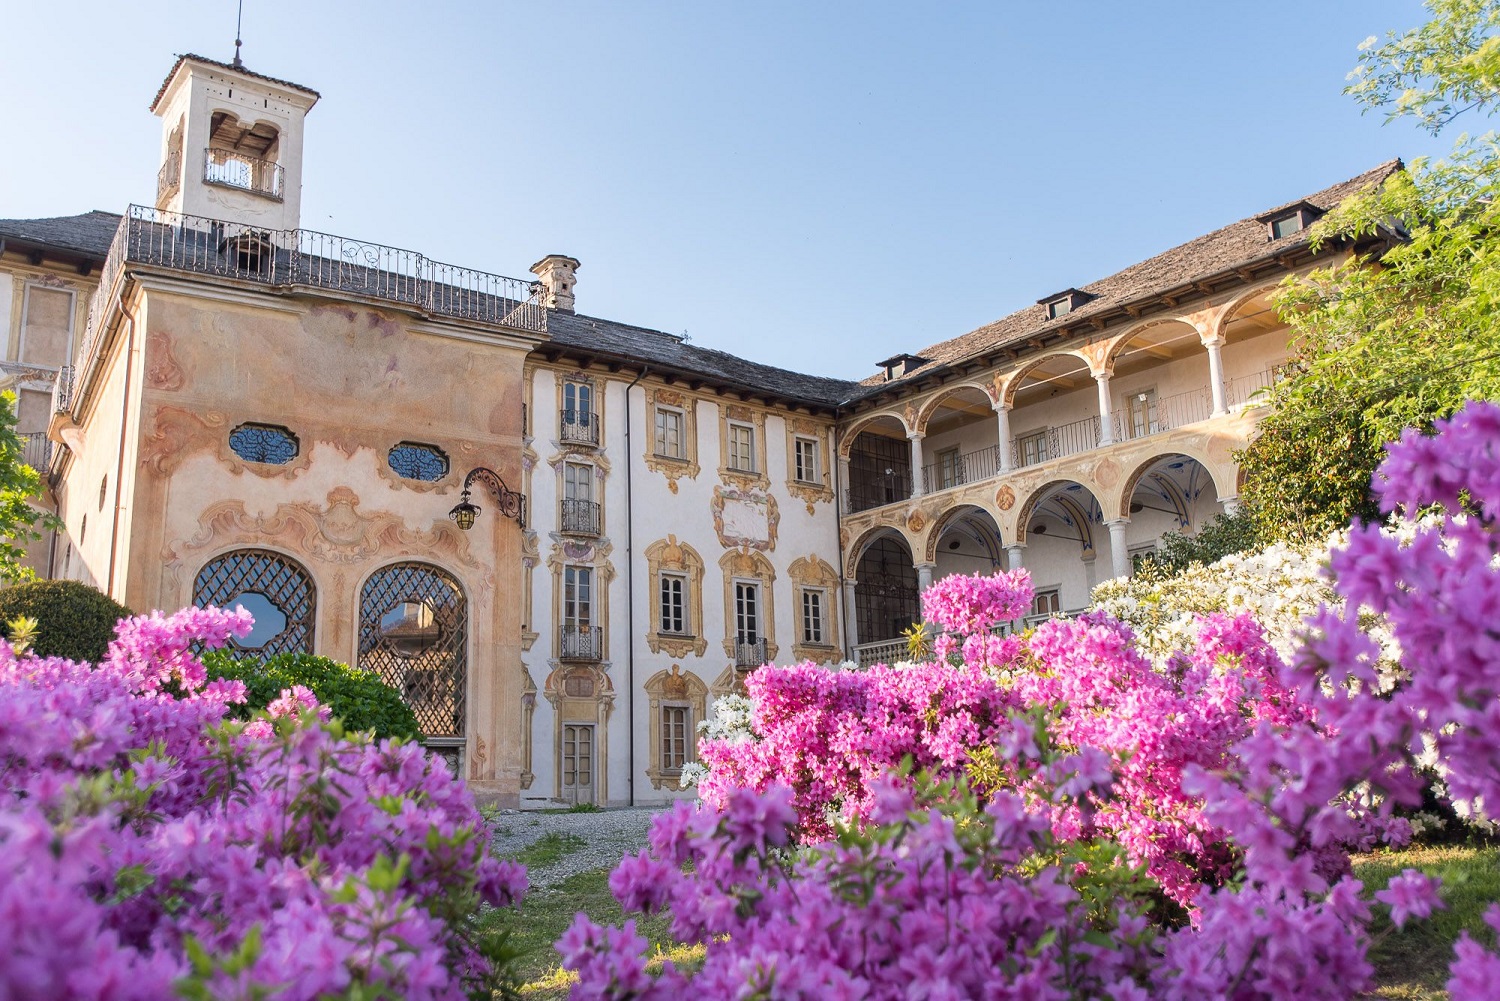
point(231, 144)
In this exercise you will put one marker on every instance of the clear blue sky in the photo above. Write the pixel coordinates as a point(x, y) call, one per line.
point(815, 185)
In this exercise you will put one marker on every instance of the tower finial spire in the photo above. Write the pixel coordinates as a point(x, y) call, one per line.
point(238, 18)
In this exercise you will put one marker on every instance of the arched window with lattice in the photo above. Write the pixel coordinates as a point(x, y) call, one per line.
point(275, 589)
point(413, 632)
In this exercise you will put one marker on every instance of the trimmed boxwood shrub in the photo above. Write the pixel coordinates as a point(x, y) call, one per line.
point(73, 620)
point(358, 698)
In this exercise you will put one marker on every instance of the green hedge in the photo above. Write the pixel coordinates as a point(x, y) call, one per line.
point(73, 620)
point(358, 698)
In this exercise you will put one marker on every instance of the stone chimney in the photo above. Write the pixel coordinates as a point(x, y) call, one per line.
point(558, 274)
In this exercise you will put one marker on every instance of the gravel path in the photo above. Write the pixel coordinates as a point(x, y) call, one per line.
point(608, 835)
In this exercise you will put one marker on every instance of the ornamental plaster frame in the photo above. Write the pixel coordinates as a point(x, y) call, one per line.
point(749, 566)
point(672, 468)
point(755, 419)
point(809, 573)
point(593, 709)
point(593, 554)
point(809, 493)
point(668, 556)
point(674, 689)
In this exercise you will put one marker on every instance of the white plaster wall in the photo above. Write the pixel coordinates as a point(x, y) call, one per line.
point(658, 512)
point(8, 336)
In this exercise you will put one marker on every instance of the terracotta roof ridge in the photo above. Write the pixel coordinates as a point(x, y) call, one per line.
point(185, 56)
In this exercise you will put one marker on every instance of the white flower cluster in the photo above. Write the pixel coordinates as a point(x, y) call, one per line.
point(1278, 585)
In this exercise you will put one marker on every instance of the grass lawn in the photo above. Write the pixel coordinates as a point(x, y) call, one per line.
point(547, 912)
point(1412, 964)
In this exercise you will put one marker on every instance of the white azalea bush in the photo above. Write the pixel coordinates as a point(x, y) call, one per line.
point(1279, 585)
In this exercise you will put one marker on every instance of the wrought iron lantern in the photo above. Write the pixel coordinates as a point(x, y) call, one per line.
point(510, 502)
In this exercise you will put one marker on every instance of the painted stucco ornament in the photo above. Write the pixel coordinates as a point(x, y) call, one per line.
point(1005, 498)
point(745, 518)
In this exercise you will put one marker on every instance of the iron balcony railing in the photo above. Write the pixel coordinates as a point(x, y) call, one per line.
point(867, 491)
point(303, 258)
point(1149, 417)
point(62, 389)
point(750, 653)
point(579, 427)
point(37, 450)
point(577, 642)
point(580, 517)
point(170, 176)
point(1253, 389)
point(236, 170)
point(1055, 442)
point(971, 467)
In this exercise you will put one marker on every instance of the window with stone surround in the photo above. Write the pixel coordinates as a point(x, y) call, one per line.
point(676, 623)
point(678, 704)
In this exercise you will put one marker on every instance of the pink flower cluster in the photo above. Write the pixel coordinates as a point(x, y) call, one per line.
point(831, 736)
point(148, 847)
point(1228, 763)
point(972, 605)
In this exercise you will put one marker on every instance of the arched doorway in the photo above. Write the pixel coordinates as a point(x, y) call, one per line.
point(886, 599)
point(1067, 548)
point(1054, 410)
point(1169, 493)
point(879, 464)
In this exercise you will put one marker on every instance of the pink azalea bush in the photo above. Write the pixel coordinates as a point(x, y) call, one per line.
point(830, 736)
point(1227, 761)
point(149, 850)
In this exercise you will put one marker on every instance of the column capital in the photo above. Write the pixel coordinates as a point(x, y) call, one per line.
point(1212, 339)
point(1000, 406)
point(1104, 374)
point(1015, 545)
point(1112, 522)
point(915, 435)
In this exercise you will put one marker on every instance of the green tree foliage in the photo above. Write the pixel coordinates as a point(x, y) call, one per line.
point(358, 698)
point(19, 485)
point(72, 620)
point(1224, 536)
point(1381, 346)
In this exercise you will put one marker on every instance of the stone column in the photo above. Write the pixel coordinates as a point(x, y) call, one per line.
point(1119, 555)
point(915, 437)
point(924, 575)
point(1002, 415)
point(1013, 554)
point(1106, 416)
point(851, 619)
point(1216, 375)
point(1231, 505)
point(846, 487)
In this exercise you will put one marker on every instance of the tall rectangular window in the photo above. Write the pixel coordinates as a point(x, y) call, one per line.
point(670, 441)
point(1032, 448)
point(812, 617)
point(1047, 602)
point(578, 481)
point(675, 726)
point(949, 469)
point(578, 596)
point(46, 326)
point(578, 400)
point(673, 604)
point(742, 447)
point(1142, 413)
point(805, 460)
point(746, 611)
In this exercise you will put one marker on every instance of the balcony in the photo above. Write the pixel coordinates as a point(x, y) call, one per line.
point(230, 169)
point(37, 450)
point(971, 467)
point(750, 654)
point(1146, 417)
point(580, 517)
point(168, 177)
point(578, 427)
point(300, 258)
point(1035, 447)
point(579, 642)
